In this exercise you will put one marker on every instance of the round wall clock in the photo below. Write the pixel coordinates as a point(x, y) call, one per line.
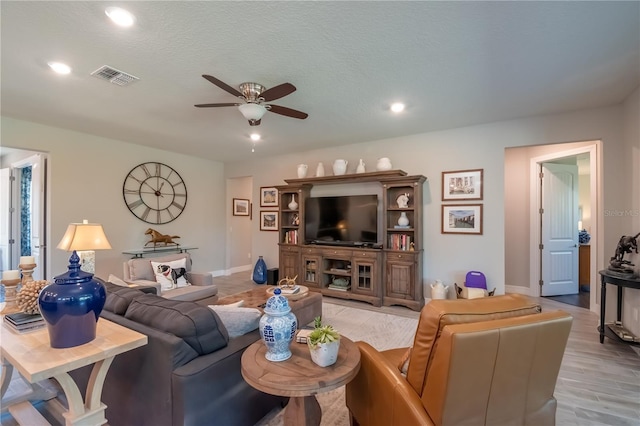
point(154, 193)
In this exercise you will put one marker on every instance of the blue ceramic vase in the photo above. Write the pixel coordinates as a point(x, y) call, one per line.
point(71, 306)
point(278, 325)
point(260, 271)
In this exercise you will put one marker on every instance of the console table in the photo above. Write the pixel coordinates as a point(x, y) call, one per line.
point(32, 355)
point(608, 278)
point(137, 254)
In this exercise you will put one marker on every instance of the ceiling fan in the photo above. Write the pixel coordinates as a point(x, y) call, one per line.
point(254, 96)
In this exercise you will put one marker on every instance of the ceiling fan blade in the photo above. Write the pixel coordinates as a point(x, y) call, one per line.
point(215, 105)
point(288, 112)
point(223, 86)
point(278, 92)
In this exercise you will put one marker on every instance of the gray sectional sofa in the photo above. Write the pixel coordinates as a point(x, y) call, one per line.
point(188, 373)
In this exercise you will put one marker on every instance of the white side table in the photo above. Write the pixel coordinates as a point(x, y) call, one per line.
point(35, 360)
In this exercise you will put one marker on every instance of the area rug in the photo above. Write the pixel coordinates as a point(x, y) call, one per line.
point(381, 330)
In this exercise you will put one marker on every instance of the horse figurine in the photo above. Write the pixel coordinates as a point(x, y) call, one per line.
point(157, 237)
point(626, 244)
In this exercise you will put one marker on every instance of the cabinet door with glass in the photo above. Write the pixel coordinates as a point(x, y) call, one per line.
point(310, 270)
point(365, 276)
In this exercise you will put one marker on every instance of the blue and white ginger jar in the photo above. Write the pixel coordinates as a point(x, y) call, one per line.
point(278, 325)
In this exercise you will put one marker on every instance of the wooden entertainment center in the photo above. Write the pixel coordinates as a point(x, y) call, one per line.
point(386, 274)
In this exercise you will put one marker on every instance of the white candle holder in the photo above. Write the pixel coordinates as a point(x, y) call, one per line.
point(27, 272)
point(10, 292)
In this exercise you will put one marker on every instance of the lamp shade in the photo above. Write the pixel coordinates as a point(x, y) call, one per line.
point(84, 236)
point(252, 111)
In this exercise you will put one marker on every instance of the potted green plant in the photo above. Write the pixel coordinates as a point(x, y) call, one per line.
point(324, 343)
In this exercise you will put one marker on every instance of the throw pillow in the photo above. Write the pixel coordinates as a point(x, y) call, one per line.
point(238, 321)
point(117, 281)
point(171, 274)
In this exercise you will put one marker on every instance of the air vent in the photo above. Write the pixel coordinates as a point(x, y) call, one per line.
point(114, 76)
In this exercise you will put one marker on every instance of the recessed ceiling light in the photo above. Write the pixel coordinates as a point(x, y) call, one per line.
point(120, 16)
point(255, 137)
point(59, 67)
point(397, 107)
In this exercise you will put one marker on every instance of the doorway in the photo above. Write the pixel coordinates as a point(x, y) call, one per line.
point(23, 178)
point(581, 215)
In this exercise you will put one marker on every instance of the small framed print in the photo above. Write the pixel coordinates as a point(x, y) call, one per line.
point(268, 220)
point(462, 185)
point(241, 207)
point(462, 219)
point(268, 196)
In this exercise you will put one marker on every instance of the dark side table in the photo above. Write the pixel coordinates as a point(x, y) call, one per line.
point(608, 278)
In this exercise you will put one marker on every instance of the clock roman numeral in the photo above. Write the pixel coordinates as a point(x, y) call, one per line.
point(131, 191)
point(146, 171)
point(135, 204)
point(175, 204)
point(144, 215)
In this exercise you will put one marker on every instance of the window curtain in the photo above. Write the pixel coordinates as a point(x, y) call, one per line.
point(25, 211)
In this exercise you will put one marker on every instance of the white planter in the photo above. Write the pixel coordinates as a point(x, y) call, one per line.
point(324, 354)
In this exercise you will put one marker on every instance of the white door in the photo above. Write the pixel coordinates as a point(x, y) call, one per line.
point(5, 219)
point(559, 235)
point(36, 213)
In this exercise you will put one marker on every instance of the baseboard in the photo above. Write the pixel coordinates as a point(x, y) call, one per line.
point(226, 272)
point(518, 290)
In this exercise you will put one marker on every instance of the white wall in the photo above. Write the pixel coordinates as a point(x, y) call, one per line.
point(86, 176)
point(239, 227)
point(630, 220)
point(449, 257)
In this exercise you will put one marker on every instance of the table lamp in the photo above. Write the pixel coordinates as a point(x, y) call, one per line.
point(85, 238)
point(71, 305)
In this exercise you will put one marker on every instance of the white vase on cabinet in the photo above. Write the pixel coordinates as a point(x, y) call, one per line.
point(360, 168)
point(320, 170)
point(340, 167)
point(403, 220)
point(293, 205)
point(302, 171)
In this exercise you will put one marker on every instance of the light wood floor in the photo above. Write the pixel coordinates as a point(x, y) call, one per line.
point(598, 384)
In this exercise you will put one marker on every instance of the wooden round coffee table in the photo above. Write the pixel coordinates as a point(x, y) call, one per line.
point(299, 377)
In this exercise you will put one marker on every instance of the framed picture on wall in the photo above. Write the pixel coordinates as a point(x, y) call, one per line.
point(268, 196)
point(462, 185)
point(241, 207)
point(462, 219)
point(268, 220)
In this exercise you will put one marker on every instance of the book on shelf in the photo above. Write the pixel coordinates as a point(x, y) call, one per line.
point(291, 237)
point(400, 242)
point(339, 287)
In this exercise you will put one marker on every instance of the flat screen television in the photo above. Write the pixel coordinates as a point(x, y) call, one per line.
point(341, 220)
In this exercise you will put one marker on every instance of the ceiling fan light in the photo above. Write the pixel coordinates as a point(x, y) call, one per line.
point(252, 111)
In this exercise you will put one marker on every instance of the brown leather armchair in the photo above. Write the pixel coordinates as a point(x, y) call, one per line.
point(489, 361)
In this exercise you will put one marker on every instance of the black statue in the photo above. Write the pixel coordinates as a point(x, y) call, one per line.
point(618, 264)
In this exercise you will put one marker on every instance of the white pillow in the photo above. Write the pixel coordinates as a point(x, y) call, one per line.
point(171, 274)
point(238, 321)
point(117, 281)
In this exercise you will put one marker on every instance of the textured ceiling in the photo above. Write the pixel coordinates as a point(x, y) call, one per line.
point(453, 64)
